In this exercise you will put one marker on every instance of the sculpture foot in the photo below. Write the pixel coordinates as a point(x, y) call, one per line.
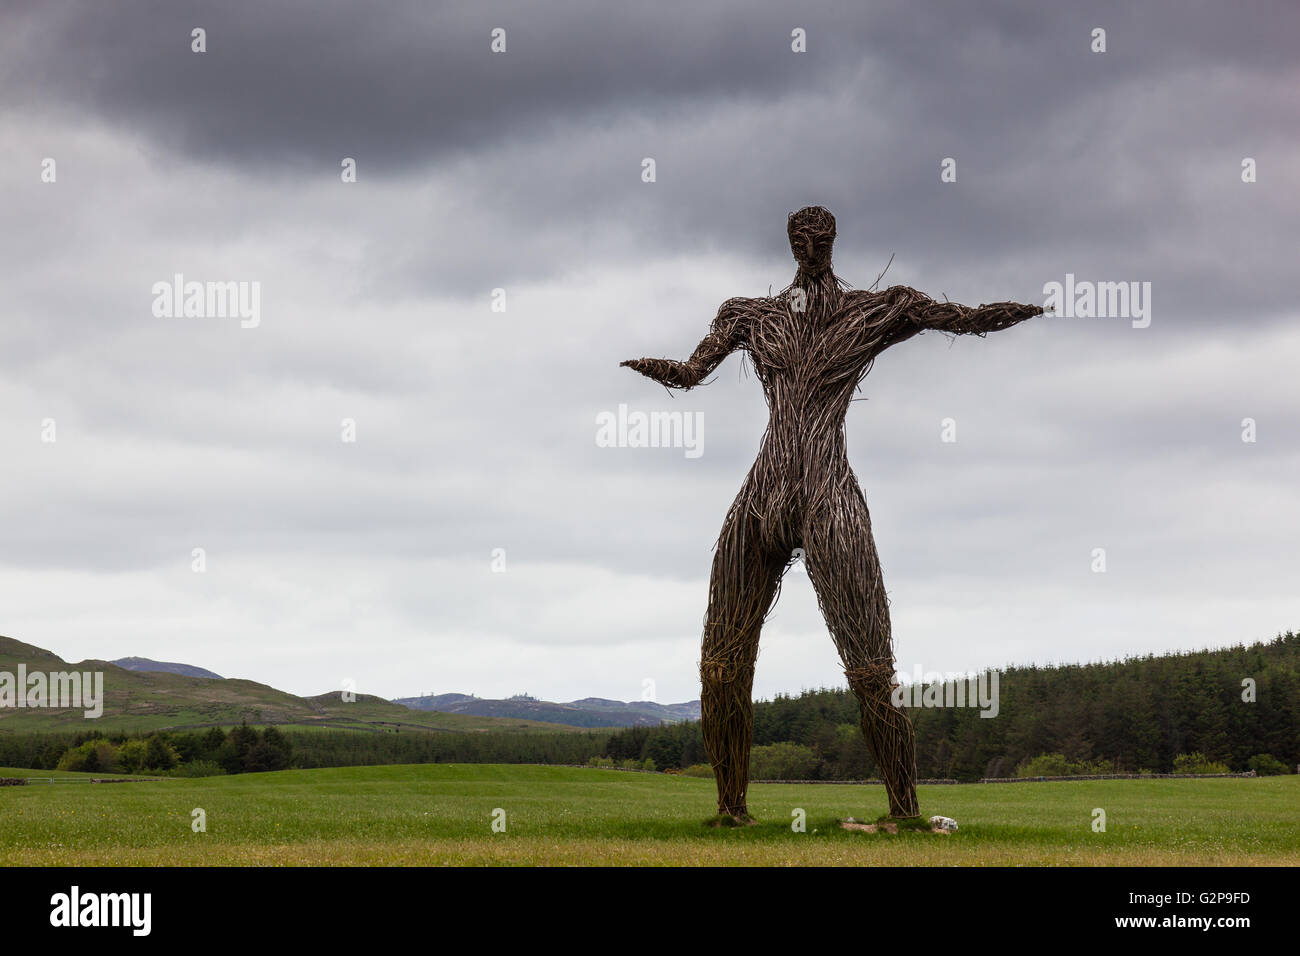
point(906, 823)
point(740, 819)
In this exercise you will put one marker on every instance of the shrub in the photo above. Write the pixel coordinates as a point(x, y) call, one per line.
point(1266, 765)
point(93, 756)
point(1197, 762)
point(131, 756)
point(783, 761)
point(1058, 765)
point(1094, 768)
point(697, 770)
point(1045, 765)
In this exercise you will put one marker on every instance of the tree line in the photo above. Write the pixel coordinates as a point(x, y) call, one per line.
point(244, 749)
point(1236, 709)
point(345, 748)
point(214, 751)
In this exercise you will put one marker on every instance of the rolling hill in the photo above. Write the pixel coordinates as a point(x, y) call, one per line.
point(588, 712)
point(165, 667)
point(136, 700)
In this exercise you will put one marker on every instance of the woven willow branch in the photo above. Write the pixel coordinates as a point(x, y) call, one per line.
point(811, 344)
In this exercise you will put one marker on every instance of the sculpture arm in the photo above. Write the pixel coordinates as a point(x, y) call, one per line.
point(726, 334)
point(918, 311)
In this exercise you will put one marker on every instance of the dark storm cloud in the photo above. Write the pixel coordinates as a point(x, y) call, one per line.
point(413, 81)
point(1119, 163)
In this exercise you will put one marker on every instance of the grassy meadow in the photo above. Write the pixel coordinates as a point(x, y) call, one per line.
point(443, 814)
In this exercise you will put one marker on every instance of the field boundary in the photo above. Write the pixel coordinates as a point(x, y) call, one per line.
point(936, 782)
point(919, 783)
point(1117, 776)
point(967, 783)
point(24, 781)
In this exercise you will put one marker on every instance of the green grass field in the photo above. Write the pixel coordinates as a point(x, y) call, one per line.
point(442, 814)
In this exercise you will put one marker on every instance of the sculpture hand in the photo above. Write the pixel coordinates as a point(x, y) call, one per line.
point(664, 371)
point(726, 334)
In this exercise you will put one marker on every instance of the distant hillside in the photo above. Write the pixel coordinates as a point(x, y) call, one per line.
point(439, 702)
point(137, 700)
point(165, 667)
point(588, 712)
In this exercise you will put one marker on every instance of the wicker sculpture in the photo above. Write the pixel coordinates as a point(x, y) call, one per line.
point(811, 344)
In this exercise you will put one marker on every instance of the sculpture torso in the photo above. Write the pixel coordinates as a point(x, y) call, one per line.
point(809, 363)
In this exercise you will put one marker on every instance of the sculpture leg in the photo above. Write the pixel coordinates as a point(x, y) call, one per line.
point(742, 587)
point(845, 571)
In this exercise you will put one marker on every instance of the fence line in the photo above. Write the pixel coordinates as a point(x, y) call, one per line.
point(23, 781)
point(927, 783)
point(1116, 776)
point(1106, 776)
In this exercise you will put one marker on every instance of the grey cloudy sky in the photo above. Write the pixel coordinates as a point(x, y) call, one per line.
point(476, 429)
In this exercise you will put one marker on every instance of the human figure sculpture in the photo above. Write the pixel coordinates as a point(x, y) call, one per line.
point(811, 344)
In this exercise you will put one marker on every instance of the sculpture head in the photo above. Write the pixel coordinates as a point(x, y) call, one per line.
point(812, 234)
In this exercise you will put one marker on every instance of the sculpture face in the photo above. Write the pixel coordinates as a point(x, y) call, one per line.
point(812, 235)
